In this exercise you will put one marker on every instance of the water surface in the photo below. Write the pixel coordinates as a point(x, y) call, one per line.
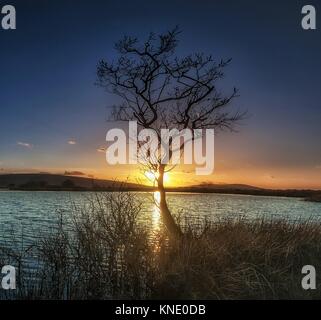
point(27, 215)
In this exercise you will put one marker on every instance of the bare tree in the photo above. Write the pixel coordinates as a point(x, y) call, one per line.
point(160, 90)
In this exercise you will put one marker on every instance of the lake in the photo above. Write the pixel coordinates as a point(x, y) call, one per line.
point(27, 215)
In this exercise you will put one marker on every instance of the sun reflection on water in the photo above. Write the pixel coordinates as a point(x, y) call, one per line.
point(156, 213)
point(156, 226)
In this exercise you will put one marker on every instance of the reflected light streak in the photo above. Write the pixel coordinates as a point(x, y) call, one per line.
point(156, 212)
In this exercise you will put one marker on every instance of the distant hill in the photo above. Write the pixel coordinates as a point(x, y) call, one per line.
point(247, 190)
point(56, 182)
point(223, 186)
point(46, 181)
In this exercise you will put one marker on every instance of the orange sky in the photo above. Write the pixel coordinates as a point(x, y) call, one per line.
point(275, 178)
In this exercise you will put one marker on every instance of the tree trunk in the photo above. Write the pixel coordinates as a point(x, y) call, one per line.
point(166, 215)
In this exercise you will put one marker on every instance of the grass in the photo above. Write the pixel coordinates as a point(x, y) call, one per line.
point(103, 252)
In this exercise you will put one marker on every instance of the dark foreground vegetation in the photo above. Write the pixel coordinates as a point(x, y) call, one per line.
point(103, 252)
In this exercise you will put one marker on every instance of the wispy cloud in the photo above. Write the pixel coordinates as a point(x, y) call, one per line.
point(72, 142)
point(24, 144)
point(101, 149)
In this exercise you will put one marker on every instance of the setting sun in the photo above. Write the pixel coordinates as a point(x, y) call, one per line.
point(152, 176)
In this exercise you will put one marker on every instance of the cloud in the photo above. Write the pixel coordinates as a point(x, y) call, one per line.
point(74, 173)
point(101, 149)
point(24, 144)
point(188, 171)
point(270, 176)
point(72, 142)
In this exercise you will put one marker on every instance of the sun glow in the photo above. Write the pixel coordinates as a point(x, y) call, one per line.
point(152, 176)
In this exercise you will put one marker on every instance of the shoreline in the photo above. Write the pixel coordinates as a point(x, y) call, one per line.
point(66, 183)
point(307, 195)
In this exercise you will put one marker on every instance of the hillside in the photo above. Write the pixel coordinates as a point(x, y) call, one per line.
point(40, 182)
point(60, 182)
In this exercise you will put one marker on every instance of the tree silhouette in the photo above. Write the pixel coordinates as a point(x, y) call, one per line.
point(161, 90)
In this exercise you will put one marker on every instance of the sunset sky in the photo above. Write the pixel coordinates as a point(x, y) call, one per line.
point(53, 116)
